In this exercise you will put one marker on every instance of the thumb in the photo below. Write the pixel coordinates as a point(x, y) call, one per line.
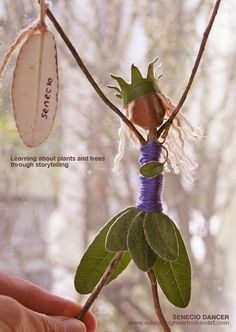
point(58, 324)
point(73, 325)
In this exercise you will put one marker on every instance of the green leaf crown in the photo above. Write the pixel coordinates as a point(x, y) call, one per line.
point(139, 85)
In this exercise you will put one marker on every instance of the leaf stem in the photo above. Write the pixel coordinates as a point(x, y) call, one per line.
point(168, 123)
point(90, 77)
point(101, 284)
point(156, 301)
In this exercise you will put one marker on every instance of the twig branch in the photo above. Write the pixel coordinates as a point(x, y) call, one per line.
point(207, 31)
point(156, 301)
point(91, 79)
point(100, 285)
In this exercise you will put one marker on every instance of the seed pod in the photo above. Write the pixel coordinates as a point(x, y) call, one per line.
point(147, 111)
point(140, 98)
point(35, 88)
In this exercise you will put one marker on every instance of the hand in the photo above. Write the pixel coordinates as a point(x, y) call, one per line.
point(26, 307)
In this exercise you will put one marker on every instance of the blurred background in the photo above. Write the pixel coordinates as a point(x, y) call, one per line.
point(49, 216)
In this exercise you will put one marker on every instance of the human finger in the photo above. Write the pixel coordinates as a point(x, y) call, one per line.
point(14, 316)
point(39, 300)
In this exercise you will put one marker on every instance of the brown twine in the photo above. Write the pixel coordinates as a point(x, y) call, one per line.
point(25, 34)
point(43, 9)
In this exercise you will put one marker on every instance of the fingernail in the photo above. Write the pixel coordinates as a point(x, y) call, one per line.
point(74, 325)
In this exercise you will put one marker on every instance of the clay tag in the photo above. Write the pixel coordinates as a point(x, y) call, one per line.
point(35, 88)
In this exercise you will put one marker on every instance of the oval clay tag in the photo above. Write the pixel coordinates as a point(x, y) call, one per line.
point(35, 88)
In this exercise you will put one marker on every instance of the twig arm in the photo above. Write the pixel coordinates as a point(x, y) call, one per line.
point(90, 77)
point(156, 301)
point(207, 31)
point(101, 284)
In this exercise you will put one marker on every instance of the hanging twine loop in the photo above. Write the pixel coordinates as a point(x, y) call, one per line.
point(43, 9)
point(25, 34)
point(150, 188)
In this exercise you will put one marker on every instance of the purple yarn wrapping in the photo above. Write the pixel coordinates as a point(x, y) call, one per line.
point(150, 188)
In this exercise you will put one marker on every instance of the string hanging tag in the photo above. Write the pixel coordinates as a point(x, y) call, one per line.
point(35, 81)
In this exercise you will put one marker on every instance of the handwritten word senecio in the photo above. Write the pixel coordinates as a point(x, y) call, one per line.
point(47, 97)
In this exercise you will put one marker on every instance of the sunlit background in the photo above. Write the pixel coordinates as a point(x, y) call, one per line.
point(48, 216)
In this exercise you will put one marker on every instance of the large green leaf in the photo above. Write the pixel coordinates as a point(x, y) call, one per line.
point(139, 249)
point(174, 277)
point(116, 239)
point(161, 236)
point(96, 260)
